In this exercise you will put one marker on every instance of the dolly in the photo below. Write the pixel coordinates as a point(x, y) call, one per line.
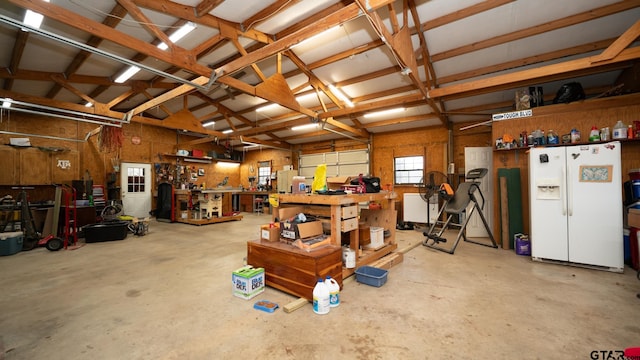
point(31, 236)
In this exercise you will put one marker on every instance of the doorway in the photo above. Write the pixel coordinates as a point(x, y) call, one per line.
point(135, 180)
point(480, 157)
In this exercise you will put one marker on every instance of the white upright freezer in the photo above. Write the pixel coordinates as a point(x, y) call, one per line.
point(285, 180)
point(575, 197)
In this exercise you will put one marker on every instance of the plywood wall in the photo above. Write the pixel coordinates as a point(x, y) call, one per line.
point(562, 118)
point(249, 167)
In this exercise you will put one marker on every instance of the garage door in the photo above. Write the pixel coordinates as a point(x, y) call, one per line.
point(339, 163)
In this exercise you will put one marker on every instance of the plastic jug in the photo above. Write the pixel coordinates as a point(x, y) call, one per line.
point(575, 136)
point(334, 291)
point(321, 298)
point(348, 258)
point(552, 137)
point(619, 130)
point(594, 135)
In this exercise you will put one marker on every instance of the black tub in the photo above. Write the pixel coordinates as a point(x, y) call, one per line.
point(105, 231)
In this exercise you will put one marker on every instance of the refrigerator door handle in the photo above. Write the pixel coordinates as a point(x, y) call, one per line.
point(569, 193)
point(563, 190)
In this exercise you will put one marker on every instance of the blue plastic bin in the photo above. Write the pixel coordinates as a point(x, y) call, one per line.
point(371, 275)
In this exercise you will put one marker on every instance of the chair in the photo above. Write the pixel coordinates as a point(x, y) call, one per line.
point(258, 204)
point(464, 195)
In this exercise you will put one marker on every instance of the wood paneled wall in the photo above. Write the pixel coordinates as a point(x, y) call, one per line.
point(154, 143)
point(278, 158)
point(562, 118)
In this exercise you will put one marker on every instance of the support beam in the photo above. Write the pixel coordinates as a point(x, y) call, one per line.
point(620, 44)
point(532, 75)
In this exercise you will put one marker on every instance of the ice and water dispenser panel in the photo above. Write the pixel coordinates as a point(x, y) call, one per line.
point(547, 188)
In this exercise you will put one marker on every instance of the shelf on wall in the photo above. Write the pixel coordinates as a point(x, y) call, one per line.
point(636, 140)
point(201, 160)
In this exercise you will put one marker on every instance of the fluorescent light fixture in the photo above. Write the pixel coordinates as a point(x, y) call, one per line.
point(209, 123)
point(201, 161)
point(384, 112)
point(132, 70)
point(228, 131)
point(253, 145)
point(267, 107)
point(337, 92)
point(304, 127)
point(179, 34)
point(227, 164)
point(6, 103)
point(33, 18)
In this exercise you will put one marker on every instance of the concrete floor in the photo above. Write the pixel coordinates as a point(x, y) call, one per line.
point(167, 295)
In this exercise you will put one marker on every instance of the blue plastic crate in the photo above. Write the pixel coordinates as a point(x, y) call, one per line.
point(371, 275)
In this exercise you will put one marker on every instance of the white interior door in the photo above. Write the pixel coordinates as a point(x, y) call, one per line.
point(135, 184)
point(480, 157)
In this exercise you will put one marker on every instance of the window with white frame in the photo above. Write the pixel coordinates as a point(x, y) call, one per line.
point(408, 170)
point(264, 172)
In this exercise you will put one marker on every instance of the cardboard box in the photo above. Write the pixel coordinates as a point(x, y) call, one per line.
point(285, 213)
point(247, 282)
point(335, 183)
point(292, 230)
point(270, 233)
point(313, 243)
point(303, 230)
point(633, 218)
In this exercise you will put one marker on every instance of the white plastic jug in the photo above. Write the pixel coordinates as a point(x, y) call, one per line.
point(349, 258)
point(334, 291)
point(321, 298)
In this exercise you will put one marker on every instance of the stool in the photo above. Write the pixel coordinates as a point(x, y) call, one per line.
point(258, 204)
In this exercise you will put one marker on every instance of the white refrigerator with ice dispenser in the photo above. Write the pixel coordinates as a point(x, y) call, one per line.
point(575, 205)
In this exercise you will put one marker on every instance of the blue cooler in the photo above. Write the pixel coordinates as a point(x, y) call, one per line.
point(11, 242)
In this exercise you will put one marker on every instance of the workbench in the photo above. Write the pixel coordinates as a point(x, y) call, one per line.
point(342, 212)
point(204, 206)
point(249, 200)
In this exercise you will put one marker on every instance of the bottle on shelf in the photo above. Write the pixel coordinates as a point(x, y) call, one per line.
point(552, 137)
point(525, 138)
point(619, 130)
point(630, 134)
point(605, 134)
point(594, 135)
point(575, 136)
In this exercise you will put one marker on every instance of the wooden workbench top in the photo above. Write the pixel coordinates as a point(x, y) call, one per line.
point(335, 199)
point(215, 191)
